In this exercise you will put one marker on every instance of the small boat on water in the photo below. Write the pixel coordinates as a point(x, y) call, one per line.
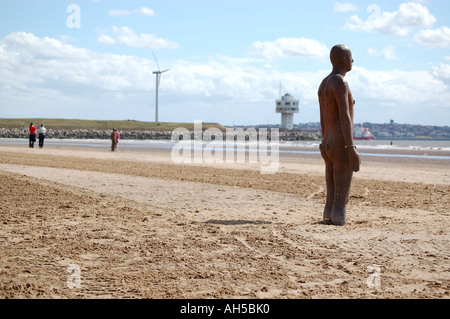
point(362, 133)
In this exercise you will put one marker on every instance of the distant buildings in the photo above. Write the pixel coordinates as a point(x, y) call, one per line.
point(394, 130)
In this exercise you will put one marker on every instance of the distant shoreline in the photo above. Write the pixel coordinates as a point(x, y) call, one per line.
point(132, 129)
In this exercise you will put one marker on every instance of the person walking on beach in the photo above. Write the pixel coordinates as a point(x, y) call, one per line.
point(337, 147)
point(117, 137)
point(32, 135)
point(114, 139)
point(42, 131)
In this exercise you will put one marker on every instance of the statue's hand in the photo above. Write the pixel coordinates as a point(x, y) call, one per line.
point(354, 159)
point(322, 149)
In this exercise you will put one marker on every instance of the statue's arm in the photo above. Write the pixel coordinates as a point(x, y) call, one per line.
point(345, 119)
point(321, 115)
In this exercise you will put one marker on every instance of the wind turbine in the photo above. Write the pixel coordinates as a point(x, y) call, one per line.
point(158, 79)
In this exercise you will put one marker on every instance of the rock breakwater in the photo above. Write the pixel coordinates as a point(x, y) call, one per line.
point(138, 135)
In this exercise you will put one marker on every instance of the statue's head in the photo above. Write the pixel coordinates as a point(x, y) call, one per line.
point(341, 57)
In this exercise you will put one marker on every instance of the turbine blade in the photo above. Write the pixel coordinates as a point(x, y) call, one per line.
point(156, 61)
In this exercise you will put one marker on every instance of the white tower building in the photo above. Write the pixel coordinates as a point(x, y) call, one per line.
point(287, 106)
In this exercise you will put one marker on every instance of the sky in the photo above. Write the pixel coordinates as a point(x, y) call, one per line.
point(228, 60)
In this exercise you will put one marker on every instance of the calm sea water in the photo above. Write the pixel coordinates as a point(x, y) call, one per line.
point(395, 148)
point(415, 149)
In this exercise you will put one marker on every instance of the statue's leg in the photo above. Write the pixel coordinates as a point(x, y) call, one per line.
point(330, 186)
point(329, 178)
point(342, 174)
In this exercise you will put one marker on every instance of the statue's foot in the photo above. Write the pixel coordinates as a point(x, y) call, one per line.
point(338, 222)
point(338, 219)
point(327, 216)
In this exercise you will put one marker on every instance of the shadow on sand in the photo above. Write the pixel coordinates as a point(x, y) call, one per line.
point(237, 222)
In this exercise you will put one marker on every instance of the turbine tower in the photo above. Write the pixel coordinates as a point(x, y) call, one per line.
point(158, 79)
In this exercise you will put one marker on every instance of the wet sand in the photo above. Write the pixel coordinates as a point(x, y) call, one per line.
point(139, 226)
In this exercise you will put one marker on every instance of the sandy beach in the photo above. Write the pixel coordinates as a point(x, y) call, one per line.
point(139, 226)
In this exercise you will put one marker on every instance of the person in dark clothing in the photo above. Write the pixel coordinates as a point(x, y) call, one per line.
point(42, 131)
point(114, 140)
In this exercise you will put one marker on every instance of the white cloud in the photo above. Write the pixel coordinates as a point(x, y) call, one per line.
point(417, 97)
point(387, 53)
point(442, 72)
point(408, 17)
point(49, 78)
point(126, 36)
point(146, 12)
point(289, 47)
point(344, 7)
point(106, 39)
point(237, 81)
point(121, 13)
point(401, 87)
point(435, 38)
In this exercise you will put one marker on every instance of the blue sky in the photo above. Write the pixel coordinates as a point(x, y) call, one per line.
point(93, 59)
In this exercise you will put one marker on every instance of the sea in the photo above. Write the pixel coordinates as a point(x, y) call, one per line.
point(414, 149)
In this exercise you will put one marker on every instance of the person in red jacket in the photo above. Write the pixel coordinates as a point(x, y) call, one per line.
point(32, 135)
point(114, 139)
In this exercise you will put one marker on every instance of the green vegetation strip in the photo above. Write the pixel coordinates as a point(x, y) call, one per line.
point(126, 125)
